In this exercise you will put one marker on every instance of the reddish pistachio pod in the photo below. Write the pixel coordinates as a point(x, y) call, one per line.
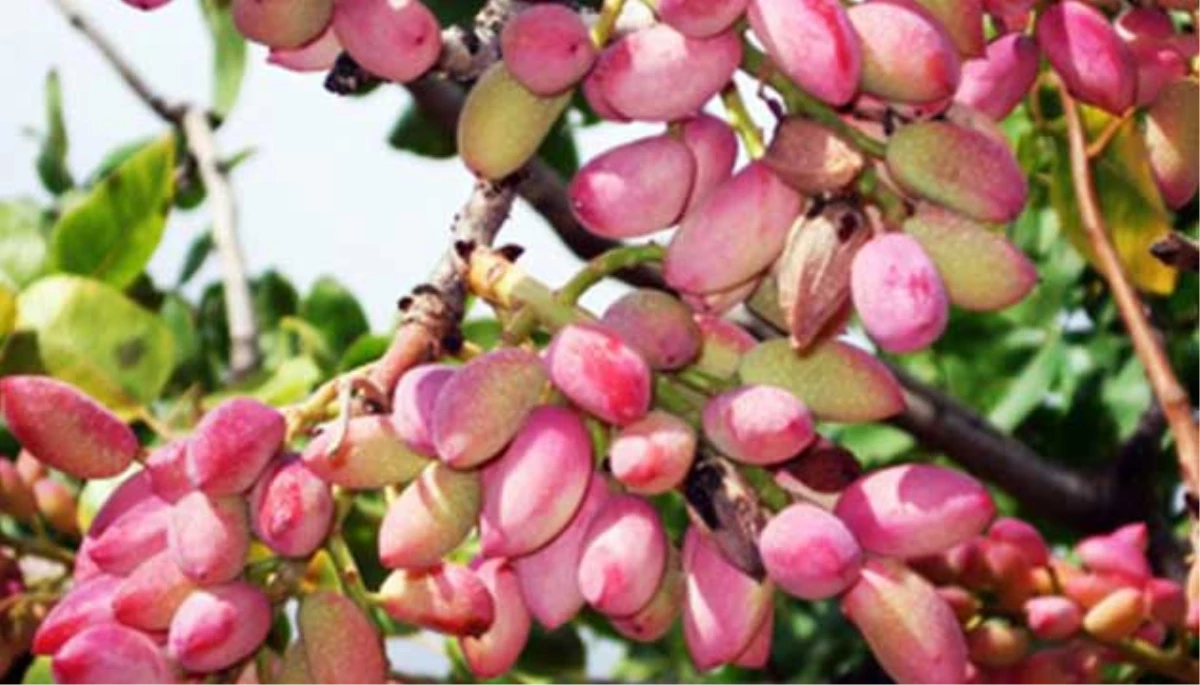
point(723, 607)
point(483, 406)
point(16, 496)
point(64, 428)
point(430, 518)
point(1022, 535)
point(721, 301)
point(532, 490)
point(758, 424)
point(232, 444)
point(600, 372)
point(914, 510)
point(963, 21)
point(997, 82)
point(449, 598)
point(758, 652)
point(89, 603)
point(813, 42)
point(959, 168)
point(282, 23)
point(1115, 617)
point(910, 629)
point(85, 567)
point(1105, 554)
point(653, 454)
point(624, 556)
point(659, 74)
point(219, 626)
point(813, 274)
point(394, 39)
point(898, 293)
point(132, 492)
point(657, 325)
point(996, 644)
point(502, 124)
point(1089, 589)
point(110, 653)
point(291, 509)
point(1144, 22)
point(148, 598)
point(1053, 617)
point(1173, 143)
point(167, 469)
point(548, 575)
point(595, 99)
point(56, 504)
point(209, 537)
point(1089, 56)
point(146, 5)
point(1137, 535)
point(811, 158)
point(547, 48)
point(724, 344)
point(413, 402)
point(1157, 65)
point(653, 621)
point(1010, 16)
point(823, 466)
point(634, 189)
point(907, 56)
point(1067, 664)
point(495, 652)
point(133, 537)
point(737, 232)
point(1165, 601)
point(714, 146)
point(318, 54)
point(293, 667)
point(965, 605)
point(809, 553)
point(699, 18)
point(339, 641)
point(370, 455)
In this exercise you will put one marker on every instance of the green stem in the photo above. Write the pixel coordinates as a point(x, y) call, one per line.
point(703, 382)
point(40, 547)
point(603, 28)
point(800, 102)
point(742, 122)
point(891, 204)
point(347, 570)
point(669, 395)
point(1148, 657)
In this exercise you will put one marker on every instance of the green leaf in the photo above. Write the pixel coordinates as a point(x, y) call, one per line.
point(115, 157)
point(290, 382)
point(52, 158)
point(22, 242)
point(197, 253)
point(1130, 203)
point(229, 55)
point(332, 308)
point(38, 672)
point(420, 135)
point(1029, 389)
point(483, 332)
point(177, 315)
point(451, 12)
point(111, 232)
point(91, 335)
point(367, 348)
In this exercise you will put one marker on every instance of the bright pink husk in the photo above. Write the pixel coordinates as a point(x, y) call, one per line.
point(898, 293)
point(714, 146)
point(758, 652)
point(657, 325)
point(652, 621)
point(758, 424)
point(148, 598)
point(413, 402)
point(734, 234)
point(700, 18)
point(1135, 534)
point(623, 557)
point(318, 54)
point(599, 372)
point(1105, 554)
point(907, 56)
point(219, 626)
point(548, 576)
point(910, 629)
point(1022, 535)
point(1165, 601)
point(134, 536)
point(723, 608)
point(1087, 53)
point(1053, 617)
point(997, 82)
point(146, 5)
point(64, 428)
point(496, 651)
point(449, 598)
point(396, 39)
point(209, 537)
point(167, 469)
point(659, 74)
point(547, 48)
point(232, 444)
point(87, 604)
point(914, 510)
point(110, 653)
point(813, 42)
point(532, 490)
point(653, 455)
point(430, 518)
point(291, 509)
point(634, 189)
point(281, 23)
point(809, 552)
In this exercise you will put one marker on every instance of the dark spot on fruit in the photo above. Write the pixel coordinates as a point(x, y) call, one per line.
point(130, 352)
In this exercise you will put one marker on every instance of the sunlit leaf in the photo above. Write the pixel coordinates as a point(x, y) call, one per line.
point(197, 254)
point(229, 55)
point(22, 243)
point(1029, 388)
point(335, 312)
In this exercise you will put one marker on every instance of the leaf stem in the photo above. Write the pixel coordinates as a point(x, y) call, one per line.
point(603, 28)
point(40, 547)
point(742, 122)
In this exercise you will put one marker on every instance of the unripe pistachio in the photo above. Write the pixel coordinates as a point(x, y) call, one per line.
point(448, 598)
point(89, 603)
point(394, 39)
point(758, 424)
point(811, 158)
point(657, 325)
point(16, 496)
point(370, 455)
point(166, 467)
point(1165, 601)
point(997, 644)
point(430, 517)
point(318, 54)
point(496, 651)
point(699, 18)
point(963, 21)
point(56, 504)
point(149, 597)
point(714, 146)
point(653, 621)
point(907, 56)
point(134, 536)
point(281, 23)
point(1053, 617)
point(1173, 143)
point(340, 643)
point(719, 302)
point(724, 344)
point(813, 42)
point(1024, 536)
point(1105, 554)
point(1116, 617)
point(997, 82)
point(413, 403)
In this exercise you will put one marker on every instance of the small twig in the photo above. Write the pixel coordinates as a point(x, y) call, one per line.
point(742, 122)
point(1178, 251)
point(1097, 146)
point(239, 307)
point(39, 547)
point(166, 110)
point(602, 30)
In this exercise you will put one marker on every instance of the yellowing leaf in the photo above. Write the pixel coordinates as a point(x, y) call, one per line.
point(1133, 210)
